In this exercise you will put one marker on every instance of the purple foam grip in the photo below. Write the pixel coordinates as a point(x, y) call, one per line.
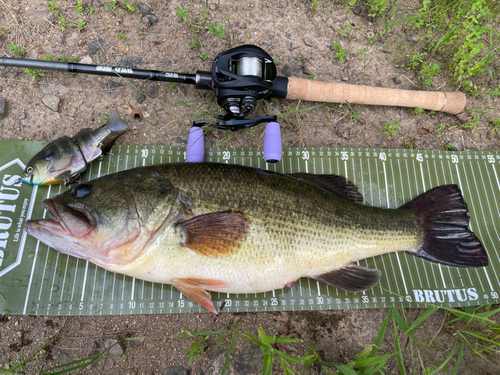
point(272, 143)
point(195, 152)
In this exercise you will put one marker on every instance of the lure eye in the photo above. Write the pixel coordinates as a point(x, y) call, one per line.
point(81, 191)
point(29, 169)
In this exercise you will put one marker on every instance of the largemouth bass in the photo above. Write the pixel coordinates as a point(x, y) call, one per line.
point(62, 160)
point(235, 229)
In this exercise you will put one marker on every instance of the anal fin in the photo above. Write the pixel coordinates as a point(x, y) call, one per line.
point(194, 289)
point(352, 278)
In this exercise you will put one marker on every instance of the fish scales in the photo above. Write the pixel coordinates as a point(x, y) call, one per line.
point(295, 230)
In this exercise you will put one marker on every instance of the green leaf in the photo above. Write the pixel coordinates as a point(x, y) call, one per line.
point(403, 325)
point(267, 365)
point(421, 318)
point(345, 369)
point(365, 353)
point(459, 359)
point(399, 355)
point(286, 339)
point(442, 365)
point(365, 362)
point(229, 352)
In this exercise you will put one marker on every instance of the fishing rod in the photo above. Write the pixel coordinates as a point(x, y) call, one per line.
point(243, 75)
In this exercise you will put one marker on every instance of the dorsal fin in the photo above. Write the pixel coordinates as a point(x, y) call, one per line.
point(338, 185)
point(83, 132)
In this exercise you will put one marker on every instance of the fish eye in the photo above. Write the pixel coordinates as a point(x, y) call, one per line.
point(81, 191)
point(29, 169)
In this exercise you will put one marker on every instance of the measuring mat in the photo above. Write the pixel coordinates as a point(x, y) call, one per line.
point(35, 279)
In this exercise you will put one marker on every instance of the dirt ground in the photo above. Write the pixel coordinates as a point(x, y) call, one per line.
point(156, 37)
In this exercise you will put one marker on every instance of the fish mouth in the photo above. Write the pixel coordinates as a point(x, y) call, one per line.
point(70, 221)
point(26, 178)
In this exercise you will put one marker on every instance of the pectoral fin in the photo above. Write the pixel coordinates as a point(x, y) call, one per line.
point(194, 289)
point(352, 278)
point(216, 234)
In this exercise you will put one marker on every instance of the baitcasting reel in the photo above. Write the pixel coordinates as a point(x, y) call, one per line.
point(242, 76)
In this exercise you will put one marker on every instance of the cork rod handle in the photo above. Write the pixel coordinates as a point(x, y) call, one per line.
point(305, 89)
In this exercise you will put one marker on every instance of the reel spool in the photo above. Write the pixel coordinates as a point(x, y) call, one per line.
point(242, 76)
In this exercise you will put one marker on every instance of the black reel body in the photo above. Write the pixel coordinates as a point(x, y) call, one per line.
point(242, 76)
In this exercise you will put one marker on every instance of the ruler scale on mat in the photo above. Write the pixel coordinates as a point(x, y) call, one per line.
point(35, 279)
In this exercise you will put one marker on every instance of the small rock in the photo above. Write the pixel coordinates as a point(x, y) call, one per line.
point(414, 38)
point(116, 349)
point(356, 10)
point(86, 60)
point(271, 36)
point(396, 80)
point(3, 103)
point(153, 39)
point(287, 43)
point(177, 370)
point(306, 68)
point(455, 146)
point(140, 97)
point(308, 42)
point(143, 9)
point(74, 35)
point(135, 132)
point(95, 45)
point(102, 56)
point(346, 134)
point(149, 19)
point(243, 362)
point(158, 107)
point(51, 101)
point(112, 85)
point(345, 77)
point(22, 116)
point(153, 90)
point(54, 89)
point(178, 142)
point(63, 40)
point(83, 107)
point(213, 6)
point(128, 62)
point(370, 35)
point(64, 358)
point(94, 349)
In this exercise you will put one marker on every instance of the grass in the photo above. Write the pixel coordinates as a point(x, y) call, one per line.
point(16, 50)
point(33, 73)
point(390, 129)
point(78, 365)
point(460, 35)
point(340, 53)
point(271, 347)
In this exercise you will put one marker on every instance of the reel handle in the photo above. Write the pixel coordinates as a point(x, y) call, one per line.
point(305, 89)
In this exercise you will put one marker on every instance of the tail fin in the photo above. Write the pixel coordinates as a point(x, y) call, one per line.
point(115, 123)
point(446, 237)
